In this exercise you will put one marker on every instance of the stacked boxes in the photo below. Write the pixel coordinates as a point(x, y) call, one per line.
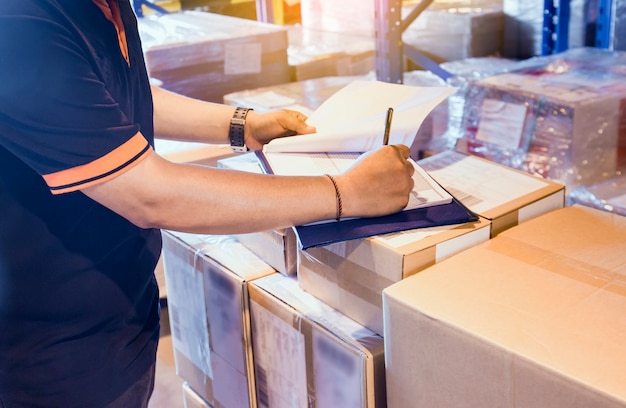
point(315, 54)
point(531, 318)
point(207, 279)
point(524, 22)
point(206, 56)
point(445, 30)
point(448, 33)
point(309, 355)
point(561, 117)
point(347, 16)
point(350, 276)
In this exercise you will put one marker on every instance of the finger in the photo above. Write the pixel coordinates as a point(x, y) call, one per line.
point(403, 151)
point(297, 115)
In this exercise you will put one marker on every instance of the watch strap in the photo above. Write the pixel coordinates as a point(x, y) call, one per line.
point(236, 131)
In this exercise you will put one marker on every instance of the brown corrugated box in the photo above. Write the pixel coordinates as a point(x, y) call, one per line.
point(207, 55)
point(351, 275)
point(532, 318)
point(206, 278)
point(307, 354)
point(503, 195)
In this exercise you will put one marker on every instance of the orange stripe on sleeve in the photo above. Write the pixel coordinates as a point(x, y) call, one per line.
point(111, 10)
point(104, 168)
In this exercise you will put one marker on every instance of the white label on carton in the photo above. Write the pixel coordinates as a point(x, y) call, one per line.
point(185, 296)
point(242, 59)
point(339, 375)
point(279, 361)
point(501, 123)
point(479, 184)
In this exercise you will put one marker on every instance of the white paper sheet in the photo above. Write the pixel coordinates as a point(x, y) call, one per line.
point(353, 119)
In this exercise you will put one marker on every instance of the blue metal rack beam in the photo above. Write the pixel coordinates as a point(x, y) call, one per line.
point(555, 34)
point(603, 24)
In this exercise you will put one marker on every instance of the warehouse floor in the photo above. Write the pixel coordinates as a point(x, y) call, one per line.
point(168, 387)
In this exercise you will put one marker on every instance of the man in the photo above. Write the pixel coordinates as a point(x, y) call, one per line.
point(83, 196)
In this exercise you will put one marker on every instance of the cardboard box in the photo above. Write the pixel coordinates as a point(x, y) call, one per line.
point(207, 55)
point(351, 275)
point(448, 33)
point(308, 355)
point(276, 247)
point(504, 196)
point(207, 295)
point(314, 53)
point(561, 117)
point(532, 318)
point(191, 399)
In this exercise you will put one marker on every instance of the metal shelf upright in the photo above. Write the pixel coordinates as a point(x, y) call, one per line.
point(555, 33)
point(611, 25)
point(390, 49)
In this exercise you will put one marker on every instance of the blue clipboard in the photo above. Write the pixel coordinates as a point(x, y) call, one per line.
point(324, 233)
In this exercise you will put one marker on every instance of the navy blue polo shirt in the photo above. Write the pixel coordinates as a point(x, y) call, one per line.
point(78, 300)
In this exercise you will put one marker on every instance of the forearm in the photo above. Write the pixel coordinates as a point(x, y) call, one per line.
point(214, 201)
point(177, 117)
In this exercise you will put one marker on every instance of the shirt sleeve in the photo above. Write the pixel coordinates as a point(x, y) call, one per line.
point(56, 111)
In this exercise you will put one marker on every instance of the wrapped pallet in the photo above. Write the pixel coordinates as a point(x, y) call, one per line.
point(206, 55)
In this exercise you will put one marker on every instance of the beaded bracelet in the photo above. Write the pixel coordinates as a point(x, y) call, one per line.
point(338, 195)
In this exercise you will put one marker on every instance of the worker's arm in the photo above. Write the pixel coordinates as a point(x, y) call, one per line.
point(159, 194)
point(177, 117)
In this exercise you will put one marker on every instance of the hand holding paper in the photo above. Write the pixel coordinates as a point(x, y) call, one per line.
point(353, 119)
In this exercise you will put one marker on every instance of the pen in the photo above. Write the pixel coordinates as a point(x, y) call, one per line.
point(387, 126)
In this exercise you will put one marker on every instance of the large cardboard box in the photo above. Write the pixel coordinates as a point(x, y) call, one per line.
point(561, 117)
point(207, 296)
point(447, 32)
point(532, 318)
point(206, 55)
point(351, 275)
point(308, 355)
point(504, 196)
point(315, 53)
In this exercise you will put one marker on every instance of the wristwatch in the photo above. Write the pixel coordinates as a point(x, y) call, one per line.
point(237, 123)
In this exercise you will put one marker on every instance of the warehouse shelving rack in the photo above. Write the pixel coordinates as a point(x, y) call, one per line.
point(391, 51)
